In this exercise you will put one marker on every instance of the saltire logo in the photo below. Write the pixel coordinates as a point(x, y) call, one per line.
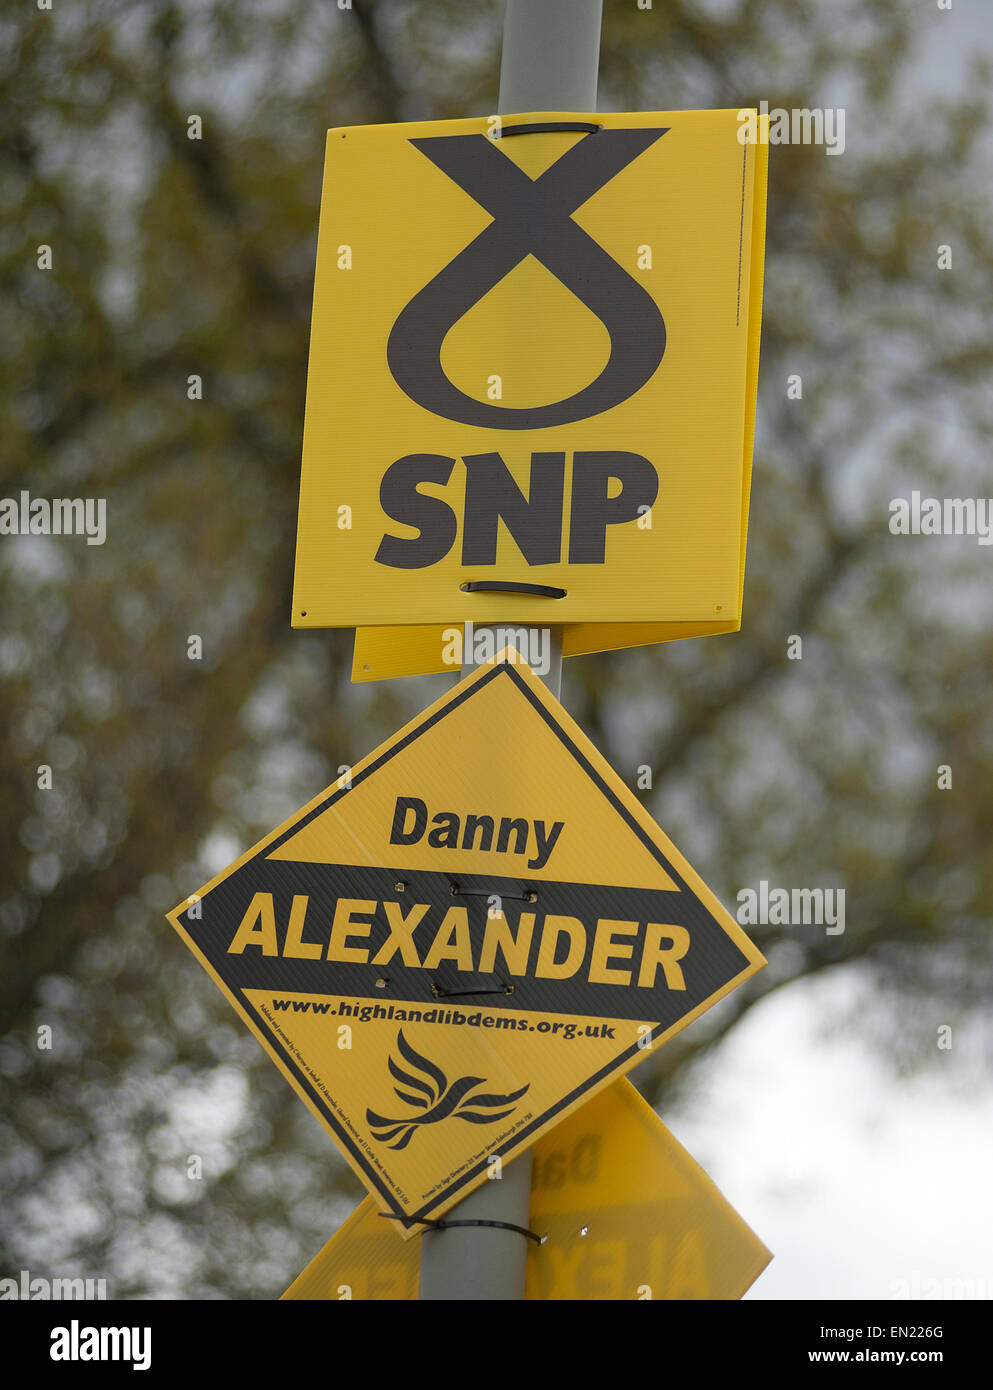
point(531, 217)
point(427, 1089)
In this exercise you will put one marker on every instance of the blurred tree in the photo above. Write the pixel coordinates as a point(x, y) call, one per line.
point(174, 258)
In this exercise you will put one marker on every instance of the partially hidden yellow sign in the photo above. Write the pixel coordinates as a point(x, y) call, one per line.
point(623, 1211)
point(532, 378)
point(456, 944)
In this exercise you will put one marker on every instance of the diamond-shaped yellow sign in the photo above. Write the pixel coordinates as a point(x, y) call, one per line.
point(453, 947)
point(623, 1211)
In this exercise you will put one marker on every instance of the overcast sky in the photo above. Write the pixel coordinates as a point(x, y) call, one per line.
point(862, 1183)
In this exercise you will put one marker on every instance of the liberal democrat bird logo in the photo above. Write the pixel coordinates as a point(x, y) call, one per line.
point(436, 1098)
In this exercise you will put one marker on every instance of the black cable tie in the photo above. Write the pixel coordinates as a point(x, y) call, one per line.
point(441, 1225)
point(504, 586)
point(468, 993)
point(529, 896)
point(536, 127)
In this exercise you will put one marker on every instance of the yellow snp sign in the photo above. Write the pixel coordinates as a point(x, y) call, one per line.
point(624, 1212)
point(532, 378)
point(451, 948)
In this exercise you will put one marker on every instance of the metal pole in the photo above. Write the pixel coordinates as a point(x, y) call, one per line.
point(551, 52)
